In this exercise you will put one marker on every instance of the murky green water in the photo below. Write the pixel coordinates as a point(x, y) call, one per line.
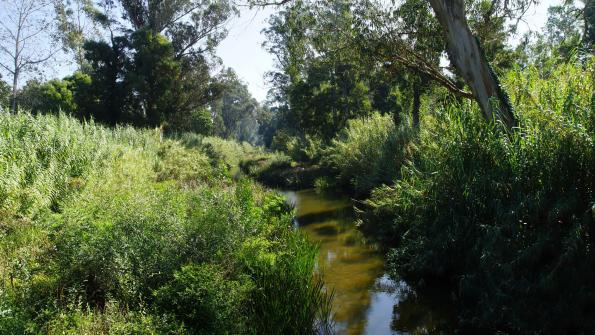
point(366, 300)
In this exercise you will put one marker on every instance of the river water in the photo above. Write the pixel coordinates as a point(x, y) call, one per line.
point(366, 300)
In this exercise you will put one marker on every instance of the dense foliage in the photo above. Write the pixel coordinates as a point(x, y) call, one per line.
point(121, 232)
point(506, 219)
point(127, 230)
point(368, 153)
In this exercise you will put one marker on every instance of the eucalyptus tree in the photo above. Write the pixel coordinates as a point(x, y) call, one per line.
point(193, 26)
point(465, 51)
point(75, 26)
point(236, 112)
point(323, 78)
point(469, 58)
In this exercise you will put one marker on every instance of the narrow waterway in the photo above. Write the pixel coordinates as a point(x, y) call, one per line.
point(366, 300)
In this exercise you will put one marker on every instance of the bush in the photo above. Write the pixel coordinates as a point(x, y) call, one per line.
point(226, 151)
point(196, 122)
point(206, 301)
point(506, 219)
point(113, 321)
point(305, 148)
point(12, 320)
point(185, 165)
point(53, 96)
point(368, 153)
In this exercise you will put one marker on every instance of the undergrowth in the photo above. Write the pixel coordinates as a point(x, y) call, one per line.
point(119, 231)
point(506, 219)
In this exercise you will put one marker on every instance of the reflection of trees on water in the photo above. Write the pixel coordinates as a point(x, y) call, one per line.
point(366, 301)
point(422, 313)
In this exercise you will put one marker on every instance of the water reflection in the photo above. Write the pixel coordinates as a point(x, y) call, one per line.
point(366, 300)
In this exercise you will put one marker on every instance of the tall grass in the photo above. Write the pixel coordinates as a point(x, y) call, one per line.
point(367, 153)
point(227, 152)
point(508, 220)
point(117, 231)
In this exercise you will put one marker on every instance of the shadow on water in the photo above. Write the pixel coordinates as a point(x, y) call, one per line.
point(366, 300)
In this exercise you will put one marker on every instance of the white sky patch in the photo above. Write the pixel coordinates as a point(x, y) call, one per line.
point(242, 49)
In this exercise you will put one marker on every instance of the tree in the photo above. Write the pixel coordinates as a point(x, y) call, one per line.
point(194, 27)
point(589, 23)
point(158, 70)
point(471, 62)
point(51, 97)
point(25, 36)
point(236, 112)
point(153, 77)
point(105, 93)
point(324, 77)
point(465, 52)
point(75, 25)
point(412, 36)
point(4, 94)
point(404, 37)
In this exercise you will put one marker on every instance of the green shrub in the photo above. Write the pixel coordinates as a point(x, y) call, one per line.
point(225, 153)
point(12, 320)
point(196, 122)
point(204, 299)
point(368, 153)
point(305, 148)
point(53, 96)
point(185, 165)
point(119, 245)
point(287, 299)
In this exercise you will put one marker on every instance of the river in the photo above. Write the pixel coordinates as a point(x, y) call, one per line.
point(366, 301)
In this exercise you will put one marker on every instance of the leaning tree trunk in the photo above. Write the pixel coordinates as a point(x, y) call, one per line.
point(468, 58)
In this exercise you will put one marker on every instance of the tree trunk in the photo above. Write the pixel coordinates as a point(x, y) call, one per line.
point(589, 22)
point(466, 55)
point(15, 82)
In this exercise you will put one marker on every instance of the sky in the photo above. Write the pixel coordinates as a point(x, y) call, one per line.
point(242, 49)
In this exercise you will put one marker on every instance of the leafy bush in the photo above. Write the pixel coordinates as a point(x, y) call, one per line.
point(202, 298)
point(185, 165)
point(506, 219)
point(198, 122)
point(5, 95)
point(369, 152)
point(305, 148)
point(53, 96)
point(227, 151)
point(12, 320)
point(96, 220)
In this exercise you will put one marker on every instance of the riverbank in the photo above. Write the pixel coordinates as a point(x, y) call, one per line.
point(504, 218)
point(276, 170)
point(119, 231)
